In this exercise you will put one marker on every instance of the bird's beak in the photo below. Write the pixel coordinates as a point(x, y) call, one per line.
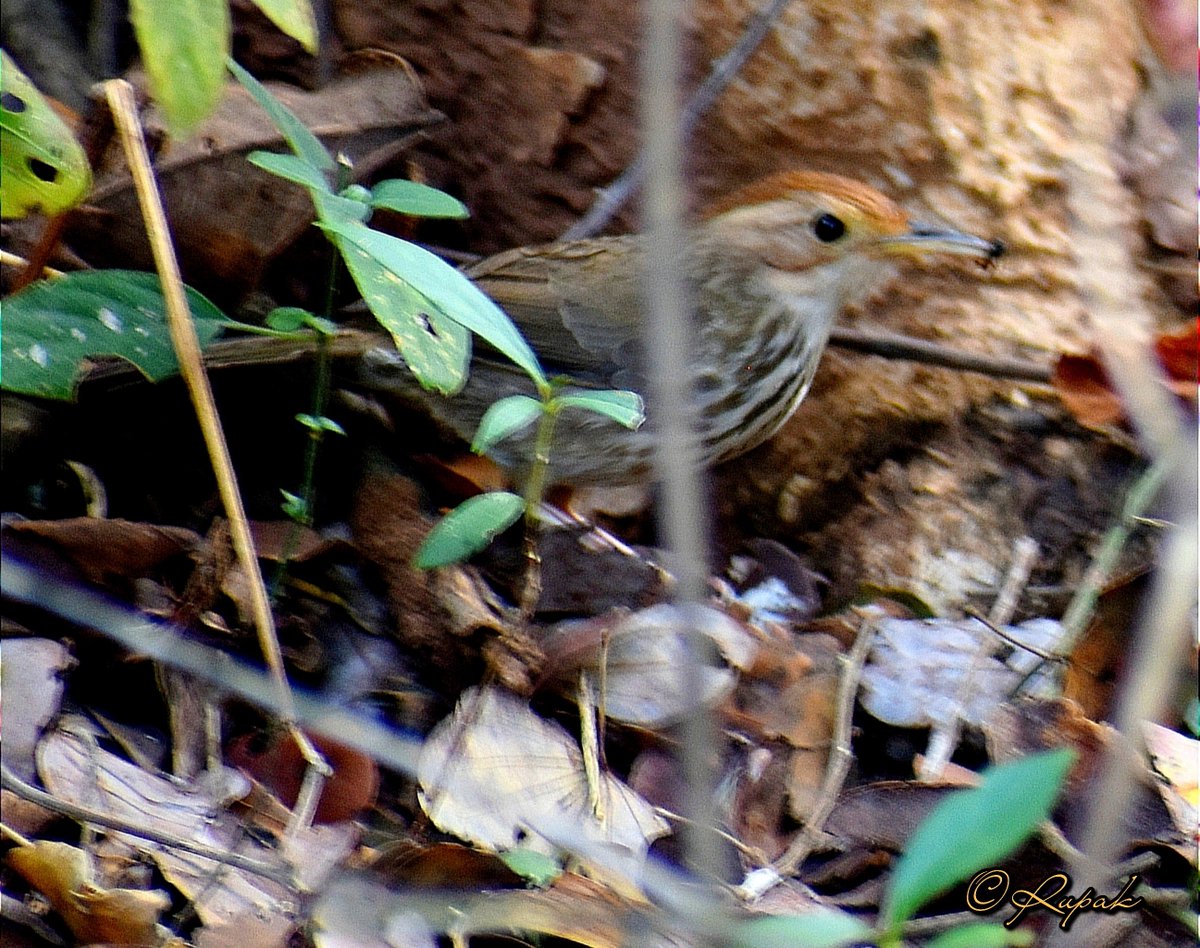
point(920, 240)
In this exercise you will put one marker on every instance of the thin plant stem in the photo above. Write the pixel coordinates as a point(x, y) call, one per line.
point(320, 398)
point(1083, 605)
point(280, 873)
point(612, 198)
point(120, 96)
point(535, 488)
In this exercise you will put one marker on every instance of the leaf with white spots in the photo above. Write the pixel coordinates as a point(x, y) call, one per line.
point(414, 271)
point(433, 345)
point(52, 328)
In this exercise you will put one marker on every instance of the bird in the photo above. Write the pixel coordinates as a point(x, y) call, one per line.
point(769, 268)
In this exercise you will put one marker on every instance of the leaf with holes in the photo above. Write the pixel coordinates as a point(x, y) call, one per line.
point(42, 167)
point(468, 528)
point(51, 328)
point(434, 346)
point(449, 292)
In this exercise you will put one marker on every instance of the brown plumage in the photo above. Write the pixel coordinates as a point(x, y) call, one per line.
point(769, 269)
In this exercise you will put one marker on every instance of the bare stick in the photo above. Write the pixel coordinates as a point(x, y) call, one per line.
point(166, 643)
point(945, 737)
point(187, 349)
point(895, 346)
point(840, 756)
point(613, 198)
point(276, 873)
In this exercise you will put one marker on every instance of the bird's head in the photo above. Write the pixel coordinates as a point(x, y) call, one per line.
point(821, 234)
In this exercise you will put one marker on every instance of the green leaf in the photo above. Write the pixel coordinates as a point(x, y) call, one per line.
point(973, 829)
point(417, 200)
point(288, 318)
point(821, 929)
point(356, 192)
point(334, 208)
point(320, 423)
point(503, 418)
point(982, 935)
point(451, 293)
point(303, 142)
point(295, 18)
point(625, 408)
point(42, 167)
point(184, 44)
point(294, 506)
point(52, 327)
point(435, 347)
point(468, 528)
point(536, 867)
point(291, 168)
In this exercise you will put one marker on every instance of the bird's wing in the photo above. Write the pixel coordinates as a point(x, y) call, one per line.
point(589, 328)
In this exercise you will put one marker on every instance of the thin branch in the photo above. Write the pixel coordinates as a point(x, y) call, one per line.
point(682, 514)
point(17, 912)
point(171, 646)
point(612, 198)
point(840, 757)
point(10, 259)
point(276, 873)
point(1083, 604)
point(944, 739)
point(187, 349)
point(1012, 639)
point(895, 346)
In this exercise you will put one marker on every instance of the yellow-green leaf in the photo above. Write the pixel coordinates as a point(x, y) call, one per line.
point(294, 17)
point(42, 167)
point(184, 46)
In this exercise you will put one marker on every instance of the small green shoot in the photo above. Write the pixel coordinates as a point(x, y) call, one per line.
point(503, 419)
point(431, 311)
point(625, 408)
point(416, 200)
point(303, 143)
point(290, 168)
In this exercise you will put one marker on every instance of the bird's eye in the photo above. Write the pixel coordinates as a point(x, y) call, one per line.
point(828, 228)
